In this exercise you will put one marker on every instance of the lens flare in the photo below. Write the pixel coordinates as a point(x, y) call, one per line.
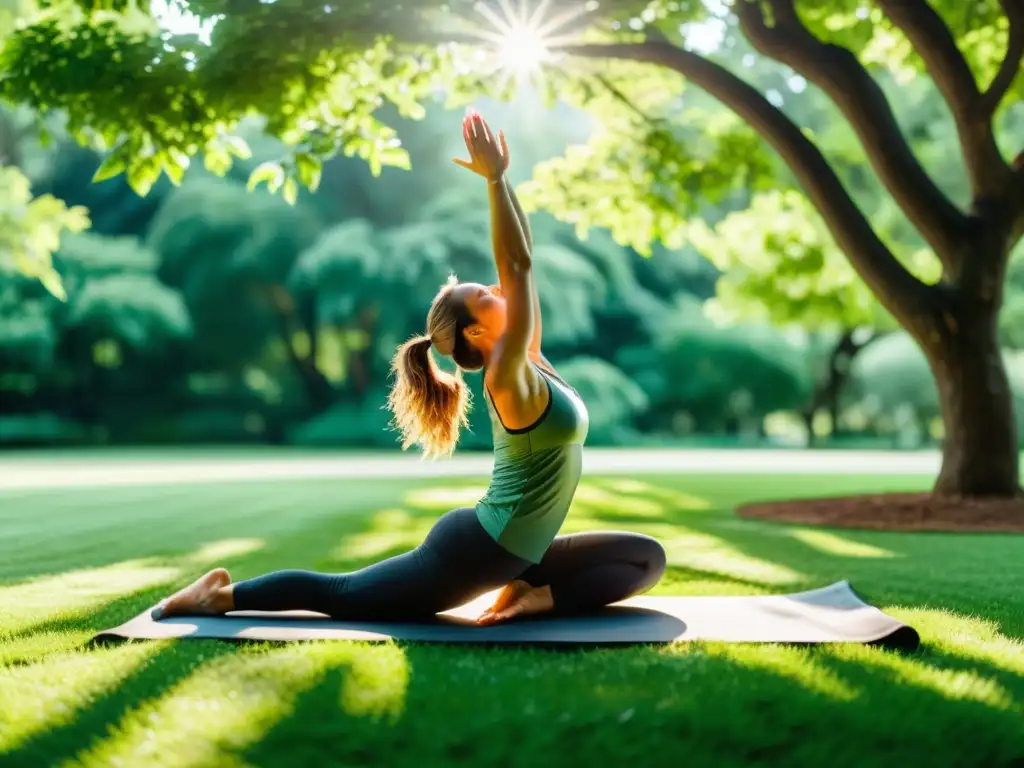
point(522, 40)
point(522, 50)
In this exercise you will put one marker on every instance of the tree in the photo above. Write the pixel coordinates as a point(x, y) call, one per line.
point(324, 71)
point(780, 265)
point(953, 320)
point(31, 228)
point(111, 354)
point(215, 241)
point(778, 262)
point(1011, 320)
point(703, 378)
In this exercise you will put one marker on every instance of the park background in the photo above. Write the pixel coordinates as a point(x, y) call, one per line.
point(208, 313)
point(248, 340)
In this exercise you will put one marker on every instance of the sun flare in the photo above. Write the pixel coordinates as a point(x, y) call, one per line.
point(522, 39)
point(522, 50)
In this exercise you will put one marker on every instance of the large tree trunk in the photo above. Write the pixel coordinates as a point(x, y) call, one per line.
point(980, 455)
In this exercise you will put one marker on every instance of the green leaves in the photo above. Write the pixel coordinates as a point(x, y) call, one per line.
point(660, 156)
point(780, 264)
point(645, 178)
point(269, 172)
point(290, 191)
point(113, 166)
point(31, 230)
point(309, 169)
point(143, 174)
point(175, 163)
point(163, 101)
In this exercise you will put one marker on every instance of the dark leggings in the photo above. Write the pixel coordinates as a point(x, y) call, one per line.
point(457, 562)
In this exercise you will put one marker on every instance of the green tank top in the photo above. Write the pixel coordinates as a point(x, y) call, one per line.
point(536, 471)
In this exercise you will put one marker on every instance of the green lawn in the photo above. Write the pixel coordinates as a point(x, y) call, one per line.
point(76, 561)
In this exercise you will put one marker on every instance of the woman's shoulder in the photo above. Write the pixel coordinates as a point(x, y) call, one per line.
point(525, 387)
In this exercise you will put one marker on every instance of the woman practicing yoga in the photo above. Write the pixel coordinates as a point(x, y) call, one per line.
point(539, 426)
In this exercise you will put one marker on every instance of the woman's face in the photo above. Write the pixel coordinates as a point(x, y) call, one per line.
point(486, 304)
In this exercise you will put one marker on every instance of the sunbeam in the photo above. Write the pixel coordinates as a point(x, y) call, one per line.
point(521, 41)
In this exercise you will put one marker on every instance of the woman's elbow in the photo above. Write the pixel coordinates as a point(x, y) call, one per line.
point(518, 259)
point(523, 259)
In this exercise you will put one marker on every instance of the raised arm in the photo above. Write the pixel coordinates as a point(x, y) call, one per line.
point(524, 224)
point(500, 252)
point(509, 365)
point(510, 249)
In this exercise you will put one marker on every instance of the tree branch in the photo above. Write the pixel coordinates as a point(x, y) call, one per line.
point(988, 172)
point(900, 292)
point(625, 100)
point(1011, 66)
point(840, 75)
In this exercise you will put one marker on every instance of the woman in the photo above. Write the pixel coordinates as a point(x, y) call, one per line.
point(539, 425)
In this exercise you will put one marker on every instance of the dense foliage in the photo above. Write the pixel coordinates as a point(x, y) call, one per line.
point(207, 312)
point(828, 118)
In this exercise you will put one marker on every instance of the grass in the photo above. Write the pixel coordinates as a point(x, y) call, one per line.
point(76, 561)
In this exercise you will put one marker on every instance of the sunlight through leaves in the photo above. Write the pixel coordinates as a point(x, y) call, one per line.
point(77, 591)
point(953, 684)
point(215, 552)
point(676, 499)
point(831, 544)
point(795, 664)
point(377, 682)
point(590, 496)
point(225, 706)
point(38, 697)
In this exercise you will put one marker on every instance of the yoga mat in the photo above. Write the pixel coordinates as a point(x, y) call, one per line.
point(833, 614)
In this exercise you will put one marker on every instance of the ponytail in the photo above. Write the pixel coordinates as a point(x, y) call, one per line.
point(428, 405)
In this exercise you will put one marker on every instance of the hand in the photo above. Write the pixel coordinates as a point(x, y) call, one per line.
point(517, 599)
point(488, 157)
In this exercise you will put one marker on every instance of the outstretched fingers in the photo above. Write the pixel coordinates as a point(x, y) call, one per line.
point(486, 149)
point(504, 147)
point(485, 130)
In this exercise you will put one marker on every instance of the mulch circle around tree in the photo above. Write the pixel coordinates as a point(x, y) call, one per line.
point(897, 512)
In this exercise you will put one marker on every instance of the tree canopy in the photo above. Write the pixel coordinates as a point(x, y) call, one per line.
point(334, 80)
point(153, 97)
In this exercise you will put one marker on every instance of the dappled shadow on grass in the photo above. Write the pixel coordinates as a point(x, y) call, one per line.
point(198, 702)
point(76, 604)
point(970, 574)
point(86, 720)
point(93, 528)
point(715, 704)
point(369, 684)
point(925, 697)
point(351, 704)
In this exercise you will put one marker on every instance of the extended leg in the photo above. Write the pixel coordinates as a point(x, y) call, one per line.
point(456, 562)
point(412, 584)
point(589, 570)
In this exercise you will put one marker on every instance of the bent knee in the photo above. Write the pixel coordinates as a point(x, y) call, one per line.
point(658, 559)
point(652, 558)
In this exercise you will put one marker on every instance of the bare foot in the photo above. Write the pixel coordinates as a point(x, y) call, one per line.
point(199, 597)
point(518, 599)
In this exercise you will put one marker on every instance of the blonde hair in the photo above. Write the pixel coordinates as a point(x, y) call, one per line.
point(429, 405)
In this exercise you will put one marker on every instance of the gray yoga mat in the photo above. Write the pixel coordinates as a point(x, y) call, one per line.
point(833, 614)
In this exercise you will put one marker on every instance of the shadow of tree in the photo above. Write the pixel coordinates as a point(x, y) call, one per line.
point(99, 527)
point(152, 679)
point(716, 704)
point(731, 705)
point(924, 571)
point(974, 709)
